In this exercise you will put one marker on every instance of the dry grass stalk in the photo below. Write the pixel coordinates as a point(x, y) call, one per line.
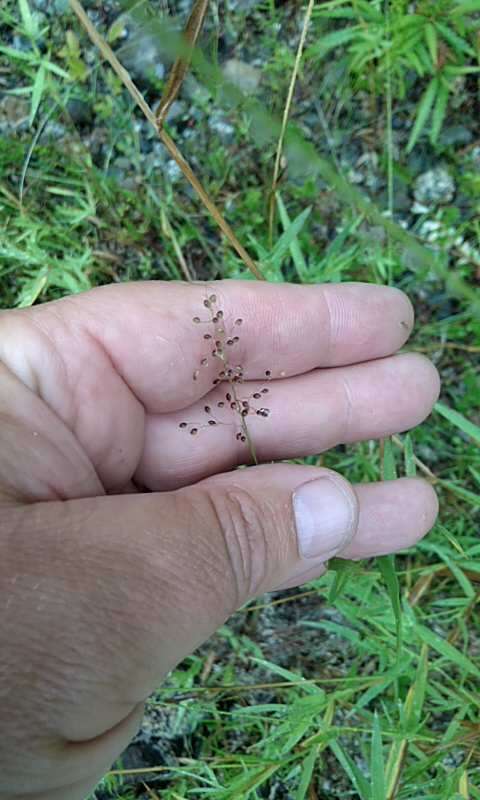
point(286, 114)
point(182, 64)
point(169, 144)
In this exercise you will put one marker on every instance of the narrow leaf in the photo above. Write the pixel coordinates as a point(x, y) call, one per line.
point(288, 237)
point(447, 650)
point(306, 775)
point(295, 249)
point(377, 765)
point(423, 112)
point(409, 456)
point(343, 571)
point(386, 565)
point(37, 92)
point(432, 42)
point(454, 40)
point(465, 494)
point(461, 422)
point(359, 782)
point(389, 470)
point(439, 111)
point(468, 7)
point(333, 40)
point(28, 20)
point(416, 696)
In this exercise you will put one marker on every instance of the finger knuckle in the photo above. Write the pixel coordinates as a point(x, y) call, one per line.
point(243, 527)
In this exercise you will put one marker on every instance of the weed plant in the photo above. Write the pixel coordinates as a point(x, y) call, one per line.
point(365, 683)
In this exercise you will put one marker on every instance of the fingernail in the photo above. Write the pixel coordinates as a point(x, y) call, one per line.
point(324, 517)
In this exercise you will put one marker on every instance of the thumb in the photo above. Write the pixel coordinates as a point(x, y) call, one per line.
point(102, 596)
point(109, 593)
point(277, 524)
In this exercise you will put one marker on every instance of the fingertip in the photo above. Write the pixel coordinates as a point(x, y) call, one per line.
point(423, 381)
point(394, 515)
point(425, 499)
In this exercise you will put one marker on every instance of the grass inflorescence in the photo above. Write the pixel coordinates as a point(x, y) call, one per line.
point(223, 341)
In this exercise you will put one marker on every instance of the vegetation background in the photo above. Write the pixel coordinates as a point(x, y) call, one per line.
point(304, 694)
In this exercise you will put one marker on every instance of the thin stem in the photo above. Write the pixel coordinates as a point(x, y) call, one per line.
point(286, 114)
point(243, 423)
point(389, 110)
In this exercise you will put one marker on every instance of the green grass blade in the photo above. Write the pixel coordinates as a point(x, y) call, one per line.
point(461, 422)
point(423, 112)
point(409, 457)
point(447, 650)
point(415, 700)
point(439, 111)
point(37, 92)
point(29, 21)
point(468, 7)
point(386, 565)
point(377, 765)
point(359, 782)
point(295, 249)
point(431, 39)
point(465, 494)
point(389, 470)
point(306, 775)
point(332, 40)
point(288, 236)
point(343, 571)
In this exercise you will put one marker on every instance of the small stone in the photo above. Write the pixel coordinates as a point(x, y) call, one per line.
point(173, 171)
point(219, 125)
point(435, 187)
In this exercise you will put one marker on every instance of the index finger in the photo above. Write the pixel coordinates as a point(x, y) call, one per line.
point(166, 358)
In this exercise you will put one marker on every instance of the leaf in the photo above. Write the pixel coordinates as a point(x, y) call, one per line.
point(32, 289)
point(465, 494)
point(286, 674)
point(37, 92)
point(343, 571)
point(358, 780)
point(439, 111)
point(333, 40)
point(461, 422)
point(28, 20)
point(306, 775)
point(386, 565)
point(468, 7)
point(295, 249)
point(455, 544)
point(415, 699)
point(377, 765)
point(389, 470)
point(409, 457)
point(447, 650)
point(423, 112)
point(242, 786)
point(454, 40)
point(463, 785)
point(287, 238)
point(432, 42)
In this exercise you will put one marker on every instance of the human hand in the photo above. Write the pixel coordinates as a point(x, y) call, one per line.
point(125, 541)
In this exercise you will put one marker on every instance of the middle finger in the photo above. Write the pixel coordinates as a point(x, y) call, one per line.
point(306, 415)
